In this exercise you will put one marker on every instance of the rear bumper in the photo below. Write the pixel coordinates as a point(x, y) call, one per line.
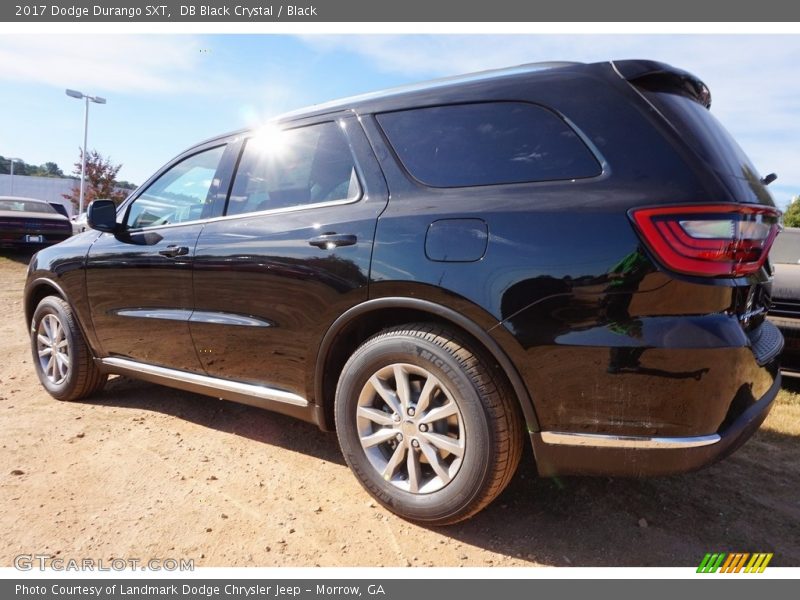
point(635, 456)
point(37, 240)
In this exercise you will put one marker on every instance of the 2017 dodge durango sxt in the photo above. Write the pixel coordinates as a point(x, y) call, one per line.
point(573, 252)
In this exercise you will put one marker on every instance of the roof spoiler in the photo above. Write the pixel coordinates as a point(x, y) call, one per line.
point(659, 77)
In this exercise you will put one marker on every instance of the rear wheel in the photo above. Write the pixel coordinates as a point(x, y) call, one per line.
point(429, 428)
point(63, 361)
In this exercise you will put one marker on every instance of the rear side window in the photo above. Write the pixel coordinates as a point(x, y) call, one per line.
point(294, 168)
point(487, 144)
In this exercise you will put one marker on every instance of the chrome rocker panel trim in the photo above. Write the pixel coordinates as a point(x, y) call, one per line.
point(626, 441)
point(245, 393)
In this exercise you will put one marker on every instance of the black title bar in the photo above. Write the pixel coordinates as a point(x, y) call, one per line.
point(337, 11)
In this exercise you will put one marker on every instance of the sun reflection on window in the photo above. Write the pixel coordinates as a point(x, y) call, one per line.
point(270, 141)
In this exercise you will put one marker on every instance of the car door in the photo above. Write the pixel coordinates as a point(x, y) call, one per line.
point(139, 280)
point(291, 253)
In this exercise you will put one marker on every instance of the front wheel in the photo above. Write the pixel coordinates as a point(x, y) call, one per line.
point(62, 358)
point(428, 426)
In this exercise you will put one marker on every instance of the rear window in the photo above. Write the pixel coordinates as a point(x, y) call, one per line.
point(27, 206)
point(704, 133)
point(487, 144)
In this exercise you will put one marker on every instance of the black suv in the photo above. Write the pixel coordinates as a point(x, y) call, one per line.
point(576, 253)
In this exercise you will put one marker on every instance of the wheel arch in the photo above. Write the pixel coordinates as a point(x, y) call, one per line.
point(364, 320)
point(41, 287)
point(36, 291)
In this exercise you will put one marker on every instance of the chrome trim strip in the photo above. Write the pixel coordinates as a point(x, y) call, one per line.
point(222, 318)
point(259, 213)
point(752, 313)
point(626, 441)
point(224, 385)
point(198, 316)
point(168, 314)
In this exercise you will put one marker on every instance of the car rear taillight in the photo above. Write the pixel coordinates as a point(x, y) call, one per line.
point(712, 240)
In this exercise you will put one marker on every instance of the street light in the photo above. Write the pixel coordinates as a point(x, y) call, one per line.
point(13, 160)
point(96, 100)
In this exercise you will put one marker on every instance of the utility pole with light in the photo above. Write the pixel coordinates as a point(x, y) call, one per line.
point(13, 160)
point(96, 100)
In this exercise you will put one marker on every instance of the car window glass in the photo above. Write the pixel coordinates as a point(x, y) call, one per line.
point(294, 167)
point(485, 144)
point(180, 194)
point(25, 206)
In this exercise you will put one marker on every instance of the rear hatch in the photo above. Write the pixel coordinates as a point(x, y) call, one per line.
point(682, 102)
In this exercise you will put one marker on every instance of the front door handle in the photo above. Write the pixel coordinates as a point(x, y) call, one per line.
point(173, 251)
point(328, 241)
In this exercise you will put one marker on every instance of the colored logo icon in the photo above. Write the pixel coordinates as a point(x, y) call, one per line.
point(735, 562)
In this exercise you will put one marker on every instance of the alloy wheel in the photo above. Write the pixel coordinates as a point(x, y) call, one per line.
point(410, 428)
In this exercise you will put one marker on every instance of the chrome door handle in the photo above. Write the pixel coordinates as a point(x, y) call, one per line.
point(173, 251)
point(327, 241)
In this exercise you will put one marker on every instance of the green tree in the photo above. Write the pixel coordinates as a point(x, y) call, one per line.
point(50, 169)
point(20, 167)
point(791, 218)
point(101, 180)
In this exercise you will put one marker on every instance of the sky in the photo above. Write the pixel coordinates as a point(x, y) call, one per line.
point(166, 92)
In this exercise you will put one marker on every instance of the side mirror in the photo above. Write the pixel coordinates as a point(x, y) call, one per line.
point(102, 216)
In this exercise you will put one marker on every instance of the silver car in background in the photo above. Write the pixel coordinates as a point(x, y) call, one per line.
point(785, 311)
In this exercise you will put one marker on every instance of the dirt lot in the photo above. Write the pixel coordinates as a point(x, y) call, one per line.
point(142, 471)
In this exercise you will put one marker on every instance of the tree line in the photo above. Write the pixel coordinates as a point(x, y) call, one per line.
point(48, 169)
point(51, 169)
point(791, 218)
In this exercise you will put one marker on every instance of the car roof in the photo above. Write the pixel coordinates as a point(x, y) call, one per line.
point(408, 91)
point(425, 86)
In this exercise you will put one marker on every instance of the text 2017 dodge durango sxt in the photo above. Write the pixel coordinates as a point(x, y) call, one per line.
point(574, 251)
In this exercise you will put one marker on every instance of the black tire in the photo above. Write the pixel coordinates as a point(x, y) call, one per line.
point(486, 427)
point(74, 375)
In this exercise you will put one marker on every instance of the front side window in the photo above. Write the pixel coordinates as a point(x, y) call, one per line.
point(487, 144)
point(294, 168)
point(180, 194)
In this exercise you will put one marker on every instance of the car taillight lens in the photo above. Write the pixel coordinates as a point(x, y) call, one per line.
point(713, 240)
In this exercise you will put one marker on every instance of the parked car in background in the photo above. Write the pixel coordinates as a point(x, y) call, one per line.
point(785, 311)
point(565, 252)
point(29, 223)
point(79, 223)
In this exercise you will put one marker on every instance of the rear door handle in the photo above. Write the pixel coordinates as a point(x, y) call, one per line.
point(173, 251)
point(327, 241)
